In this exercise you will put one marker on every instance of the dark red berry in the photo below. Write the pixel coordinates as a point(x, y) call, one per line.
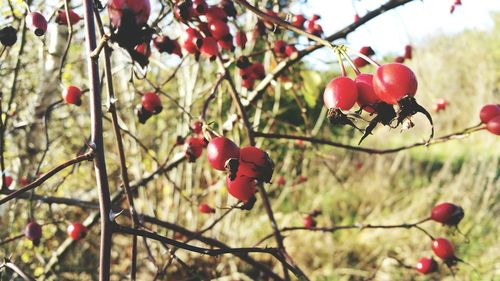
point(408, 52)
point(255, 163)
point(241, 187)
point(72, 95)
point(426, 265)
point(200, 7)
point(493, 126)
point(340, 92)
point(216, 13)
point(443, 248)
point(8, 181)
point(151, 102)
point(489, 112)
point(298, 21)
point(241, 39)
point(209, 48)
point(309, 222)
point(280, 48)
point(366, 94)
point(165, 44)
point(74, 18)
point(197, 127)
point(290, 50)
point(367, 51)
point(77, 231)
point(227, 44)
point(360, 62)
point(143, 49)
point(447, 213)
point(205, 209)
point(140, 9)
point(37, 23)
point(218, 29)
point(221, 149)
point(33, 232)
point(193, 147)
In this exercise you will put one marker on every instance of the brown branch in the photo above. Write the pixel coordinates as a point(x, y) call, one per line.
point(46, 176)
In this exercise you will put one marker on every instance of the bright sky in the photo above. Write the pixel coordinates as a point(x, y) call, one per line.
point(411, 23)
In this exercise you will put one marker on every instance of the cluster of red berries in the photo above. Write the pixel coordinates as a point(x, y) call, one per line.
point(150, 105)
point(250, 72)
point(245, 166)
point(33, 231)
point(367, 51)
point(490, 115)
point(37, 23)
point(392, 84)
point(448, 214)
point(311, 25)
point(283, 49)
point(455, 4)
point(407, 55)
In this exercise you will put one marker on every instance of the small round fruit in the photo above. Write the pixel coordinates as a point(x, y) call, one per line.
point(33, 231)
point(489, 112)
point(218, 29)
point(77, 231)
point(72, 95)
point(366, 94)
point(309, 222)
point(219, 150)
point(193, 147)
point(151, 102)
point(426, 265)
point(341, 92)
point(255, 163)
point(281, 181)
point(8, 181)
point(447, 213)
point(209, 47)
point(493, 126)
point(443, 248)
point(394, 81)
point(61, 18)
point(8, 36)
point(242, 187)
point(37, 23)
point(197, 127)
point(205, 209)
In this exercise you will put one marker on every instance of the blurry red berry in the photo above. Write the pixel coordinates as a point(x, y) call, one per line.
point(440, 104)
point(209, 48)
point(302, 179)
point(255, 163)
point(443, 248)
point(193, 147)
point(493, 126)
point(226, 44)
point(197, 127)
point(221, 149)
point(140, 10)
point(8, 181)
point(360, 62)
point(24, 181)
point(151, 102)
point(215, 13)
point(280, 48)
point(367, 51)
point(309, 222)
point(72, 95)
point(489, 112)
point(340, 92)
point(219, 29)
point(356, 18)
point(37, 23)
point(165, 44)
point(366, 94)
point(399, 59)
point(298, 21)
point(281, 181)
point(241, 39)
point(74, 18)
point(447, 213)
point(200, 7)
point(426, 265)
point(205, 209)
point(408, 52)
point(77, 231)
point(248, 83)
point(33, 232)
point(143, 49)
point(290, 50)
point(452, 9)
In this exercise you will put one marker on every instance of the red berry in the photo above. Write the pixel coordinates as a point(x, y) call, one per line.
point(74, 18)
point(209, 47)
point(33, 232)
point(242, 187)
point(408, 52)
point(340, 92)
point(255, 163)
point(8, 181)
point(197, 127)
point(458, 2)
point(367, 51)
point(315, 17)
point(184, 11)
point(165, 44)
point(447, 213)
point(72, 95)
point(309, 222)
point(205, 209)
point(280, 48)
point(399, 59)
point(192, 40)
point(24, 181)
point(257, 71)
point(452, 9)
point(226, 44)
point(394, 81)
point(298, 21)
point(493, 126)
point(290, 50)
point(426, 265)
point(360, 62)
point(139, 8)
point(302, 179)
point(200, 7)
point(216, 13)
point(443, 248)
point(37, 23)
point(241, 39)
point(218, 29)
point(440, 104)
point(248, 83)
point(489, 112)
point(193, 147)
point(366, 94)
point(77, 231)
point(151, 102)
point(281, 181)
point(356, 18)
point(219, 150)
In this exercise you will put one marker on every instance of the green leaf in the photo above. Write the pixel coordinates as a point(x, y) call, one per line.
point(311, 86)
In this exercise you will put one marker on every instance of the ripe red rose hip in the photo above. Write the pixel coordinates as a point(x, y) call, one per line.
point(33, 232)
point(443, 248)
point(140, 10)
point(205, 209)
point(8, 181)
point(394, 81)
point(193, 147)
point(209, 48)
point(489, 112)
point(74, 18)
point(218, 29)
point(408, 52)
point(197, 127)
point(255, 163)
point(165, 44)
point(37, 23)
point(493, 126)
point(219, 150)
point(77, 231)
point(426, 265)
point(340, 92)
point(309, 222)
point(241, 39)
point(366, 94)
point(241, 187)
point(447, 213)
point(72, 95)
point(151, 102)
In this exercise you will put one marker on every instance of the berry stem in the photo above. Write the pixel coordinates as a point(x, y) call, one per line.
point(341, 62)
point(368, 59)
point(351, 63)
